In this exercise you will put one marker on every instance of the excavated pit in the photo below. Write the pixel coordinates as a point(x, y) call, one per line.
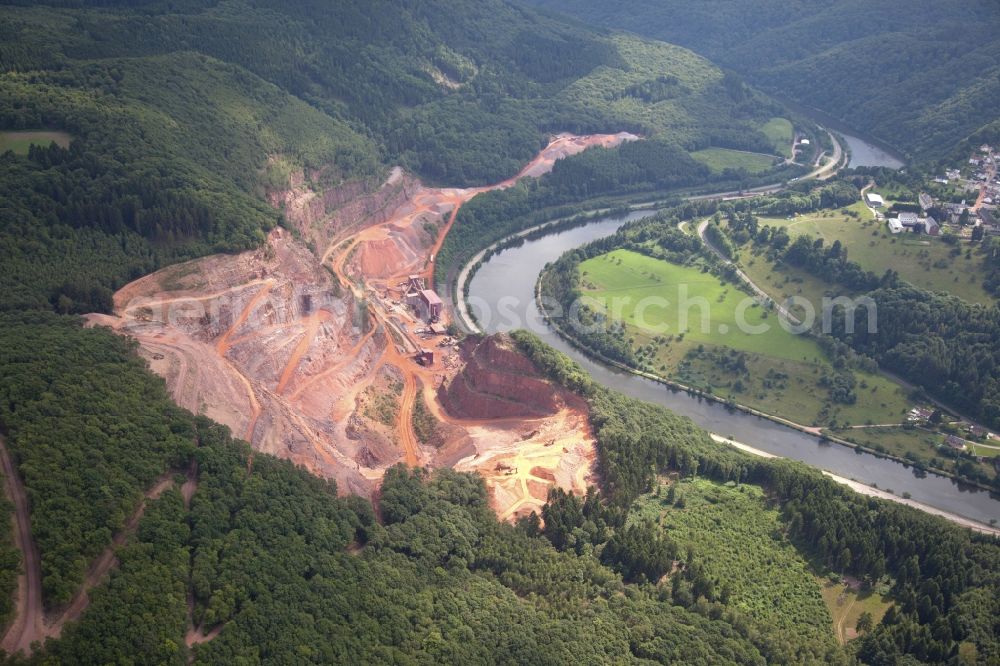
point(298, 348)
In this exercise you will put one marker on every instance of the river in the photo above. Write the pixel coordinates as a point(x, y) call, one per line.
point(865, 151)
point(501, 295)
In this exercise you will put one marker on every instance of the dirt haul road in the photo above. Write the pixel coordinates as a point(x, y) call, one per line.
point(300, 351)
point(30, 622)
point(29, 614)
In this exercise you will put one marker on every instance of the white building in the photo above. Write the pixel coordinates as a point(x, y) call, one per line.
point(895, 227)
point(874, 200)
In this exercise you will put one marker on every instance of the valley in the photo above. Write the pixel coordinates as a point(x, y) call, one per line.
point(447, 332)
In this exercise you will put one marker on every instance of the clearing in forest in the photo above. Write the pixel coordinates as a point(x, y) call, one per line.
point(781, 133)
point(721, 159)
point(847, 603)
point(19, 141)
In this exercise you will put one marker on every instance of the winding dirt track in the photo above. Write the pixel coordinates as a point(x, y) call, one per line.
point(29, 620)
point(103, 563)
point(405, 425)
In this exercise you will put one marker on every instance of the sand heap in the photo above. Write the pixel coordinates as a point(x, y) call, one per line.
point(523, 433)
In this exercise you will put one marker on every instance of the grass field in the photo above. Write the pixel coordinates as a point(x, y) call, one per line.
point(20, 141)
point(989, 451)
point(781, 133)
point(774, 371)
point(781, 282)
point(846, 605)
point(922, 261)
point(737, 538)
point(628, 282)
point(720, 159)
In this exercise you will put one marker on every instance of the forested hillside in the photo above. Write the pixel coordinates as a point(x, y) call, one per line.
point(181, 115)
point(270, 557)
point(161, 539)
point(920, 75)
point(266, 560)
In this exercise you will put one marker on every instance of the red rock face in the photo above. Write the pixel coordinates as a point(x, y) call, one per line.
point(496, 383)
point(320, 216)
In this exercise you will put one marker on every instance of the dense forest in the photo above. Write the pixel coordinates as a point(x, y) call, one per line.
point(918, 74)
point(945, 578)
point(181, 115)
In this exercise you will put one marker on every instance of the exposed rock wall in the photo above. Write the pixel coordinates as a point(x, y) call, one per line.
point(321, 216)
point(497, 382)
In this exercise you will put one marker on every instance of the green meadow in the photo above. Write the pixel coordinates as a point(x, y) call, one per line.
point(925, 262)
point(631, 283)
point(720, 159)
point(781, 133)
point(19, 141)
point(846, 605)
point(686, 324)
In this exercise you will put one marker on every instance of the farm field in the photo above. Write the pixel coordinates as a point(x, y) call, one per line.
point(738, 539)
point(922, 261)
point(781, 133)
point(774, 371)
point(720, 159)
point(20, 141)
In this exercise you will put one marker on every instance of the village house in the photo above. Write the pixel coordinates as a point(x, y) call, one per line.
point(956, 443)
point(930, 226)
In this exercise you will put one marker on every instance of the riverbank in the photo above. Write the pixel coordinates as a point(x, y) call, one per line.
point(465, 318)
point(467, 321)
point(871, 491)
point(812, 431)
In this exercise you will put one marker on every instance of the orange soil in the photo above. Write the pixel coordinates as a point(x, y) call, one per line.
point(404, 423)
point(382, 252)
point(312, 325)
point(269, 343)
